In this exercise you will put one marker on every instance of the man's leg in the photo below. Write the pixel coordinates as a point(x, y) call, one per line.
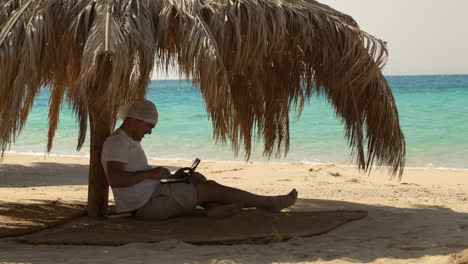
point(197, 178)
point(215, 209)
point(211, 191)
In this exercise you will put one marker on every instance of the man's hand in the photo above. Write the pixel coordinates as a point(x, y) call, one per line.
point(159, 173)
point(181, 173)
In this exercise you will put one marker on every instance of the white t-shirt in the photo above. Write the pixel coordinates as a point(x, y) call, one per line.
point(122, 148)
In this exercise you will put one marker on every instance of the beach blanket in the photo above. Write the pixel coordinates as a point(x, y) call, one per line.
point(22, 218)
point(250, 226)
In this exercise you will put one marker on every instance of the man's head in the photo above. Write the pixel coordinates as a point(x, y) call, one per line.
point(140, 117)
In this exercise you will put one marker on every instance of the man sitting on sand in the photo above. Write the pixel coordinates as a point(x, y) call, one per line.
point(137, 188)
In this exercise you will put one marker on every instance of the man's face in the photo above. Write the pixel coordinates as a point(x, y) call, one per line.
point(142, 129)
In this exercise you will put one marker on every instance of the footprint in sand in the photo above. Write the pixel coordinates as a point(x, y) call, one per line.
point(230, 178)
point(411, 184)
point(220, 171)
point(336, 174)
point(353, 180)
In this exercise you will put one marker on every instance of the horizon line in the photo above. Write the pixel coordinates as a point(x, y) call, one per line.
point(385, 75)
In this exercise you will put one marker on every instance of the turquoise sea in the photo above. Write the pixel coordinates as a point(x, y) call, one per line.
point(433, 114)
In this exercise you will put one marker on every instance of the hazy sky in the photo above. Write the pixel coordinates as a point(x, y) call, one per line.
point(423, 36)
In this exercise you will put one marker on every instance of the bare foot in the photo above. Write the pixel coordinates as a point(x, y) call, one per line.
point(225, 210)
point(283, 201)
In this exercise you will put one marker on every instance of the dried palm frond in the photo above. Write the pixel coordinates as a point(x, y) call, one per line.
point(254, 60)
point(93, 52)
point(269, 49)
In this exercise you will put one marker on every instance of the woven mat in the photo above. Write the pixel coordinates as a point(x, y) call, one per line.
point(250, 226)
point(462, 257)
point(22, 218)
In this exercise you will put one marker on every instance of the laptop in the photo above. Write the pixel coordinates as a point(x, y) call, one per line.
point(186, 179)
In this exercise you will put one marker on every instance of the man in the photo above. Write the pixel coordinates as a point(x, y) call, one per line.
point(136, 186)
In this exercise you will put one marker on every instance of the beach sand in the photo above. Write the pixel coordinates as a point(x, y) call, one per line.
point(421, 219)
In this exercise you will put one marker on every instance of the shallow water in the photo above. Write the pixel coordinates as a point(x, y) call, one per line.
point(433, 114)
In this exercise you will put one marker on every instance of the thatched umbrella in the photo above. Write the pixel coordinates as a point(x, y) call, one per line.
point(254, 61)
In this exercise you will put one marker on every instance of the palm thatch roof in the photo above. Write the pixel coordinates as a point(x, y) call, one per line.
point(254, 60)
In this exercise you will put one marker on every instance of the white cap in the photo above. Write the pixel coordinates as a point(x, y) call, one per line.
point(142, 110)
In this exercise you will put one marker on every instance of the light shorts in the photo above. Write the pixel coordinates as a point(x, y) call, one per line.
point(169, 200)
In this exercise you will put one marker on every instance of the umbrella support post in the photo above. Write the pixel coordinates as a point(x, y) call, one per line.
point(98, 188)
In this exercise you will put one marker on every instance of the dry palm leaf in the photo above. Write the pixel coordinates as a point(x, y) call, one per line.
point(254, 60)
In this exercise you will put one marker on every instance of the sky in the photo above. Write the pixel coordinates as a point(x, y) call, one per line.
point(424, 37)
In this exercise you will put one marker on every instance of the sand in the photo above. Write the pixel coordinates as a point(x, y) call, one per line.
point(421, 219)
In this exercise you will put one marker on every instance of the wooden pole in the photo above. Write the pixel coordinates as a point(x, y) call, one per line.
point(98, 188)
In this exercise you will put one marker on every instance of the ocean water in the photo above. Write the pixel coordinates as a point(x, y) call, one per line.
point(433, 114)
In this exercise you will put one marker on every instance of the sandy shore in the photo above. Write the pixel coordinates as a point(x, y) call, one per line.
point(421, 219)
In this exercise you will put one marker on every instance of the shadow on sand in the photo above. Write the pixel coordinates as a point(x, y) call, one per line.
point(389, 233)
point(41, 174)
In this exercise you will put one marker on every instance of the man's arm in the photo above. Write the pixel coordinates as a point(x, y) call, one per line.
point(119, 178)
